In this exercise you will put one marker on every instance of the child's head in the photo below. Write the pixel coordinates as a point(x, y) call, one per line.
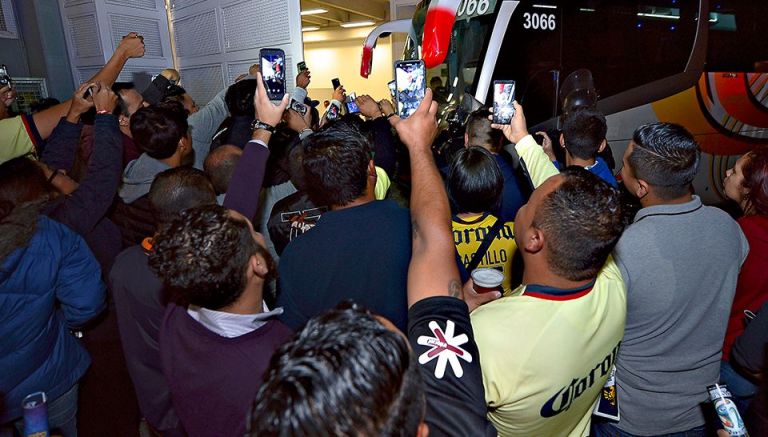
point(584, 133)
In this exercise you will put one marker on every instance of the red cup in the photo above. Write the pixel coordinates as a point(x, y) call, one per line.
point(487, 280)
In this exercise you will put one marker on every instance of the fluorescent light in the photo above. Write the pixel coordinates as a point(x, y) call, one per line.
point(357, 24)
point(586, 10)
point(310, 29)
point(545, 6)
point(665, 17)
point(314, 11)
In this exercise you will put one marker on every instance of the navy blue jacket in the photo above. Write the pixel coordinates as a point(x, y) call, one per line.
point(47, 287)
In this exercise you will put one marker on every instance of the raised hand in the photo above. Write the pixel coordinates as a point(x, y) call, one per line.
point(387, 107)
point(266, 111)
point(296, 122)
point(339, 93)
point(132, 45)
point(516, 130)
point(368, 106)
point(419, 130)
point(547, 145)
point(7, 96)
point(303, 79)
point(80, 105)
point(104, 99)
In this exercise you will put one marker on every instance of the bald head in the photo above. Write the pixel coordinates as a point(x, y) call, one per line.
point(220, 166)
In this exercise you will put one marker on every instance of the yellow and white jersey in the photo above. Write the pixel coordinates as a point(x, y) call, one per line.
point(469, 233)
point(546, 353)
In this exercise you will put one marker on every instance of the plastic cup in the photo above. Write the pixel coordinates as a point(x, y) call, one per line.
point(487, 280)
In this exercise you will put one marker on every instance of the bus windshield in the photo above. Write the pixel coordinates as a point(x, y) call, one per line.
point(457, 75)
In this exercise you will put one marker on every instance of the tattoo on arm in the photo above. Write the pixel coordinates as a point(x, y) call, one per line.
point(454, 289)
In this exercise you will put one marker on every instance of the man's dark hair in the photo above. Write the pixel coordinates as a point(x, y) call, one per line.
point(158, 129)
point(344, 374)
point(203, 256)
point(480, 133)
point(122, 106)
point(220, 165)
point(582, 220)
point(336, 164)
point(584, 131)
point(475, 182)
point(239, 98)
point(177, 189)
point(667, 157)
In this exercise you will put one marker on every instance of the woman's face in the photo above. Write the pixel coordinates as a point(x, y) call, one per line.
point(734, 181)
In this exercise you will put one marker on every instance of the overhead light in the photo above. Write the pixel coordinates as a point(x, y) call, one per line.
point(662, 16)
point(357, 24)
point(545, 6)
point(314, 11)
point(310, 29)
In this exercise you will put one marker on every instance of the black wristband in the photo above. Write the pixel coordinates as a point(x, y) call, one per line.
point(258, 124)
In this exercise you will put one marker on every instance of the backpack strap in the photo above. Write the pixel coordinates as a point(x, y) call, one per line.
point(478, 256)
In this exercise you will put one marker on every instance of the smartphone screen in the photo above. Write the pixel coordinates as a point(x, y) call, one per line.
point(503, 96)
point(392, 89)
point(299, 107)
point(273, 72)
point(301, 66)
point(352, 107)
point(336, 83)
point(410, 86)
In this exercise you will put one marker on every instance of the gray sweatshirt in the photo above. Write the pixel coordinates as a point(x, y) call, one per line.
point(680, 264)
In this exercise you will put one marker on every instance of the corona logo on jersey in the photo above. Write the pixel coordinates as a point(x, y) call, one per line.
point(437, 31)
point(566, 396)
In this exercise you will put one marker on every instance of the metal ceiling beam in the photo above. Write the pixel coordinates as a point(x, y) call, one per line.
point(374, 11)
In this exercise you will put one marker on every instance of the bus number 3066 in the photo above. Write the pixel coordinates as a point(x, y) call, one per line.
point(539, 21)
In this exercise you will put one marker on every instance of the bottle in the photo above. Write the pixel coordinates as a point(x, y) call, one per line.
point(35, 415)
point(727, 411)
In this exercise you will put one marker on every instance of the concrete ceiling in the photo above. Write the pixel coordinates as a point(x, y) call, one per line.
point(344, 11)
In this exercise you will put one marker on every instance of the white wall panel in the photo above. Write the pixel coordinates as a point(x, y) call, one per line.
point(242, 28)
point(94, 28)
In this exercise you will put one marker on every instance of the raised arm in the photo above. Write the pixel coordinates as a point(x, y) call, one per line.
point(132, 46)
point(245, 185)
point(540, 167)
point(433, 270)
point(59, 153)
point(86, 206)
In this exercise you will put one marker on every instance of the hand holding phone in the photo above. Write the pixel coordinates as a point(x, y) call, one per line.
point(503, 101)
point(301, 66)
point(351, 103)
point(410, 81)
point(5, 78)
point(272, 66)
point(298, 107)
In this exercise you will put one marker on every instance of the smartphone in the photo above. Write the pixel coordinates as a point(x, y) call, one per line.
point(273, 71)
point(88, 92)
point(336, 83)
point(503, 98)
point(410, 85)
point(352, 107)
point(5, 78)
point(333, 113)
point(392, 89)
point(301, 66)
point(299, 107)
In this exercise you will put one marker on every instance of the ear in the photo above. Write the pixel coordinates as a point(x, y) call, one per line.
point(466, 139)
point(602, 146)
point(533, 240)
point(562, 141)
point(371, 169)
point(643, 188)
point(258, 266)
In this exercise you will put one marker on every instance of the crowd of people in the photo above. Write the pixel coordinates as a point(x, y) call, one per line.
point(280, 274)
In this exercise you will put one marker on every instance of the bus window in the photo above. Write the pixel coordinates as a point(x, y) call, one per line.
point(530, 55)
point(628, 43)
point(736, 40)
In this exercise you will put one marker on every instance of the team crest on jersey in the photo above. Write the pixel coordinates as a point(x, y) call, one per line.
point(446, 348)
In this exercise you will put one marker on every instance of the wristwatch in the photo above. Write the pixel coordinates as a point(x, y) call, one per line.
point(258, 124)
